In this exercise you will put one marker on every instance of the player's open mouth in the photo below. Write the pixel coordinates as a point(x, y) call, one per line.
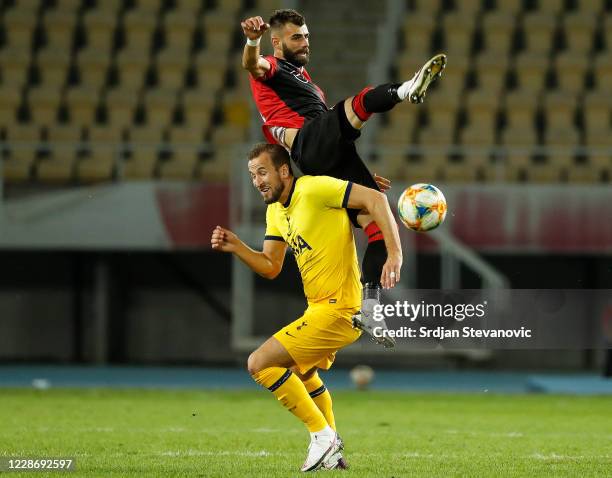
point(264, 190)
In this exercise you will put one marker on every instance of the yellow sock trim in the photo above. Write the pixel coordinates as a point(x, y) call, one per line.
point(322, 398)
point(290, 391)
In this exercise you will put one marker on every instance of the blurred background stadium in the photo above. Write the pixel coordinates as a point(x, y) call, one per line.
point(123, 130)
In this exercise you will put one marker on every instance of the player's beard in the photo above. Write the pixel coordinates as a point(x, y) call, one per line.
point(292, 57)
point(276, 193)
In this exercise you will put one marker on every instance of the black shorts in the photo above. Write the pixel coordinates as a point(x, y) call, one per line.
point(325, 145)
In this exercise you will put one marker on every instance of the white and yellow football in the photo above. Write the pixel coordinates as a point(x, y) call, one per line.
point(422, 207)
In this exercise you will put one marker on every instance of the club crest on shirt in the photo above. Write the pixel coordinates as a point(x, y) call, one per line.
point(296, 242)
point(298, 76)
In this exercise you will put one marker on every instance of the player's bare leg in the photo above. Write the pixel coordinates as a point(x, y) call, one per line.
point(269, 354)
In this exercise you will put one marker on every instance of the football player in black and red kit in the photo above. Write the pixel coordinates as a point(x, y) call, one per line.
point(321, 140)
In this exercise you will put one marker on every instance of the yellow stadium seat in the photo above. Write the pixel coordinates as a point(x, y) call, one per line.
point(62, 133)
point(93, 65)
point(44, 104)
point(53, 67)
point(586, 173)
point(509, 6)
point(559, 109)
point(228, 135)
point(433, 136)
point(182, 166)
point(141, 164)
point(579, 29)
point(59, 29)
point(597, 110)
point(138, 27)
point(418, 29)
point(186, 135)
point(217, 169)
point(160, 105)
point(18, 167)
point(590, 6)
point(531, 69)
point(121, 107)
point(9, 103)
point(14, 64)
point(19, 28)
point(571, 69)
point(97, 166)
point(147, 135)
point(218, 29)
point(230, 7)
point(57, 168)
point(420, 172)
point(458, 33)
point(82, 104)
point(491, 69)
point(151, 6)
point(178, 29)
point(188, 6)
point(132, 66)
point(603, 70)
point(67, 5)
point(497, 30)
point(442, 110)
point(459, 172)
point(105, 135)
point(100, 29)
point(428, 7)
point(171, 68)
point(198, 107)
point(237, 109)
point(26, 133)
point(538, 29)
point(544, 173)
point(550, 6)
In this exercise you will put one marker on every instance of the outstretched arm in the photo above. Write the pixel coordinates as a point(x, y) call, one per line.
point(267, 263)
point(253, 29)
point(377, 205)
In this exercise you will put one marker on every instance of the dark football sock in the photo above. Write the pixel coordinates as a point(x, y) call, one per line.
point(375, 256)
point(375, 100)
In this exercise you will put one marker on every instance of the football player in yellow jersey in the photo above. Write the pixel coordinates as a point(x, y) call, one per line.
point(308, 215)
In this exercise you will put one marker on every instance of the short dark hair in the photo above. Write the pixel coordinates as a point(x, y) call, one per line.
point(280, 18)
point(279, 155)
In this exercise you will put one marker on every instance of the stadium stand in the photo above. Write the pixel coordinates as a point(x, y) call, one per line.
point(530, 104)
point(96, 90)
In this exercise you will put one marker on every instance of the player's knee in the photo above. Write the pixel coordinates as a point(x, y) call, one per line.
point(254, 364)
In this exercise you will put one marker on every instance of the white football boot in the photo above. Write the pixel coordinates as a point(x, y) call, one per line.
point(322, 446)
point(421, 80)
point(336, 461)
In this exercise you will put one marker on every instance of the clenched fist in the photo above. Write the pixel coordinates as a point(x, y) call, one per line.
point(254, 27)
point(224, 240)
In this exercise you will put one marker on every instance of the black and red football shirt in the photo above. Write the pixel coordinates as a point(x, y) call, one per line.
point(286, 96)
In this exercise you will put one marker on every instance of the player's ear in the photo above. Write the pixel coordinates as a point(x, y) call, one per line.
point(284, 171)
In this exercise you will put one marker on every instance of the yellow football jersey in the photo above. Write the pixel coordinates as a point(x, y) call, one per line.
point(315, 225)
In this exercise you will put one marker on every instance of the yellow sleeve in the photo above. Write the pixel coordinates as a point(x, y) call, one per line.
point(330, 191)
point(272, 232)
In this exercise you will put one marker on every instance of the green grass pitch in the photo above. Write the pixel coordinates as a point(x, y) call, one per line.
point(127, 433)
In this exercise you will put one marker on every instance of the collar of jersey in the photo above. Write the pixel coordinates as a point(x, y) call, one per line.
point(288, 201)
point(298, 68)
